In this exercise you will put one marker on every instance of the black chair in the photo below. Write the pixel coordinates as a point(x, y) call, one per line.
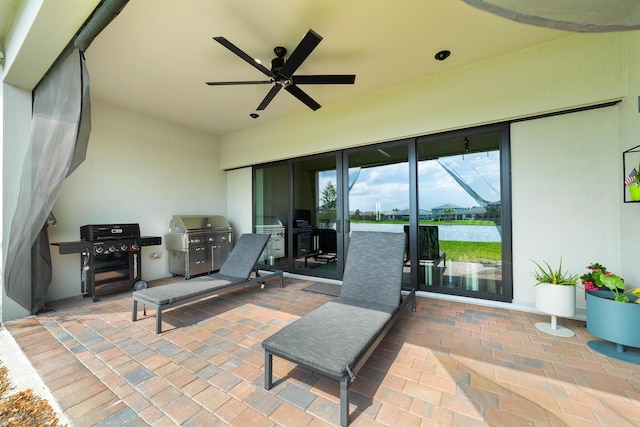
point(428, 245)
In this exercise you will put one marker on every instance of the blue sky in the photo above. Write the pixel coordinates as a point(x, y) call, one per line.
point(389, 185)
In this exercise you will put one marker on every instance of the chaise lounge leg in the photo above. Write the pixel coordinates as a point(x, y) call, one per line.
point(158, 320)
point(344, 401)
point(134, 311)
point(268, 360)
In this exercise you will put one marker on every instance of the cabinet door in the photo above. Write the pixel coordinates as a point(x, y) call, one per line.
point(199, 260)
point(219, 254)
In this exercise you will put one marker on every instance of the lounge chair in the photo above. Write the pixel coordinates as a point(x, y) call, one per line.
point(428, 244)
point(337, 338)
point(235, 273)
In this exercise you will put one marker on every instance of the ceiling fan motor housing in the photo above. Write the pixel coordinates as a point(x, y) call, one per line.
point(276, 64)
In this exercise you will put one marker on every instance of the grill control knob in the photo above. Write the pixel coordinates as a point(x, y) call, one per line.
point(124, 247)
point(99, 249)
point(134, 247)
point(112, 248)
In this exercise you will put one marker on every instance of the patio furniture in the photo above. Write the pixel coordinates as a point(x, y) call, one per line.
point(234, 273)
point(428, 245)
point(336, 339)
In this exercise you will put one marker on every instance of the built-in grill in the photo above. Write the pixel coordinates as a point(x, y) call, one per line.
point(274, 250)
point(198, 244)
point(110, 260)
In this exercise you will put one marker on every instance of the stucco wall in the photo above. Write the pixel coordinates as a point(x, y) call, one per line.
point(138, 170)
point(567, 169)
point(239, 208)
point(564, 170)
point(573, 71)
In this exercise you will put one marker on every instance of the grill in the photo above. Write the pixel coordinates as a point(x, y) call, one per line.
point(198, 244)
point(275, 246)
point(110, 257)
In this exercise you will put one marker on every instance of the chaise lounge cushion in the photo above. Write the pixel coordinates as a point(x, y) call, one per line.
point(371, 275)
point(333, 336)
point(235, 270)
point(248, 250)
point(163, 295)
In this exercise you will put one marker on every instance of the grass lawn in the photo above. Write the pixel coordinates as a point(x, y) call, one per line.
point(460, 250)
point(471, 251)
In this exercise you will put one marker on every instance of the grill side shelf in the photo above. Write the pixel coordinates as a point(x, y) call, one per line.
point(77, 247)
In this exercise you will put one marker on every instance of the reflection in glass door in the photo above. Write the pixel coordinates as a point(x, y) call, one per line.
point(378, 189)
point(459, 233)
point(271, 186)
point(445, 192)
point(315, 231)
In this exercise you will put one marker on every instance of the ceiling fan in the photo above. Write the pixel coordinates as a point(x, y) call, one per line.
point(281, 73)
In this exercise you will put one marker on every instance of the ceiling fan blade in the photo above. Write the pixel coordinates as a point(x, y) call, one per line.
point(267, 99)
point(302, 96)
point(233, 48)
point(327, 79)
point(248, 82)
point(300, 53)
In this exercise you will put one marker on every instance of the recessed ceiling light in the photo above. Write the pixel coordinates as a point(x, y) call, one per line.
point(442, 55)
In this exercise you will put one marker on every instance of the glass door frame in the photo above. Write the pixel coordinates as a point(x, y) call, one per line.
point(339, 262)
point(505, 209)
point(343, 227)
point(410, 143)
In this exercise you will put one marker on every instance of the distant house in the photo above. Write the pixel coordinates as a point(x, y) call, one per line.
point(447, 212)
point(454, 212)
point(474, 213)
point(403, 215)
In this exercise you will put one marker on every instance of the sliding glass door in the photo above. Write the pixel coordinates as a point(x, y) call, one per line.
point(378, 189)
point(459, 233)
point(271, 212)
point(448, 193)
point(316, 231)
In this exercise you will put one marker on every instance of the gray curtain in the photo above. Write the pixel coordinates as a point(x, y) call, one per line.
point(60, 100)
point(58, 141)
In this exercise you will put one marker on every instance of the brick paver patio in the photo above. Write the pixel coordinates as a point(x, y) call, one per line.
point(449, 364)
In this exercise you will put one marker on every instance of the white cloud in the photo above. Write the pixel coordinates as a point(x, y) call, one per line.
point(388, 185)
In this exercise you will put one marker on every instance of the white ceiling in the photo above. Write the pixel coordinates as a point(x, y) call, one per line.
point(156, 55)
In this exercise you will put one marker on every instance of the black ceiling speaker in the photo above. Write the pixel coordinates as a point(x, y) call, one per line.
point(281, 73)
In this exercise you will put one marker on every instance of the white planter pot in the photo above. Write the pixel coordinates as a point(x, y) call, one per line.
point(556, 300)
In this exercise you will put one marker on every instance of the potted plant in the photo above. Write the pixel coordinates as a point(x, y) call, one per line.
point(555, 295)
point(632, 181)
point(613, 313)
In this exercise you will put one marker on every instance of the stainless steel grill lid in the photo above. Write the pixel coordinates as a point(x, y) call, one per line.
point(193, 223)
point(269, 221)
point(198, 244)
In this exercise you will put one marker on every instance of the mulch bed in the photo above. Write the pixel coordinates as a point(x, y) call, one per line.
point(23, 408)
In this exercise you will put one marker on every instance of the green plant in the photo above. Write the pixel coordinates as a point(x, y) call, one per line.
point(598, 277)
point(555, 277)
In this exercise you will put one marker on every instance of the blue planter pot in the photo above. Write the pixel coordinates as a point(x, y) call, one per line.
point(613, 321)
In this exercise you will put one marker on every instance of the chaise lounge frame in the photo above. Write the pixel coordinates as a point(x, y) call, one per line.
point(235, 273)
point(336, 339)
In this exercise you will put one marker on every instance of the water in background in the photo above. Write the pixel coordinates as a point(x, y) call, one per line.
point(465, 233)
